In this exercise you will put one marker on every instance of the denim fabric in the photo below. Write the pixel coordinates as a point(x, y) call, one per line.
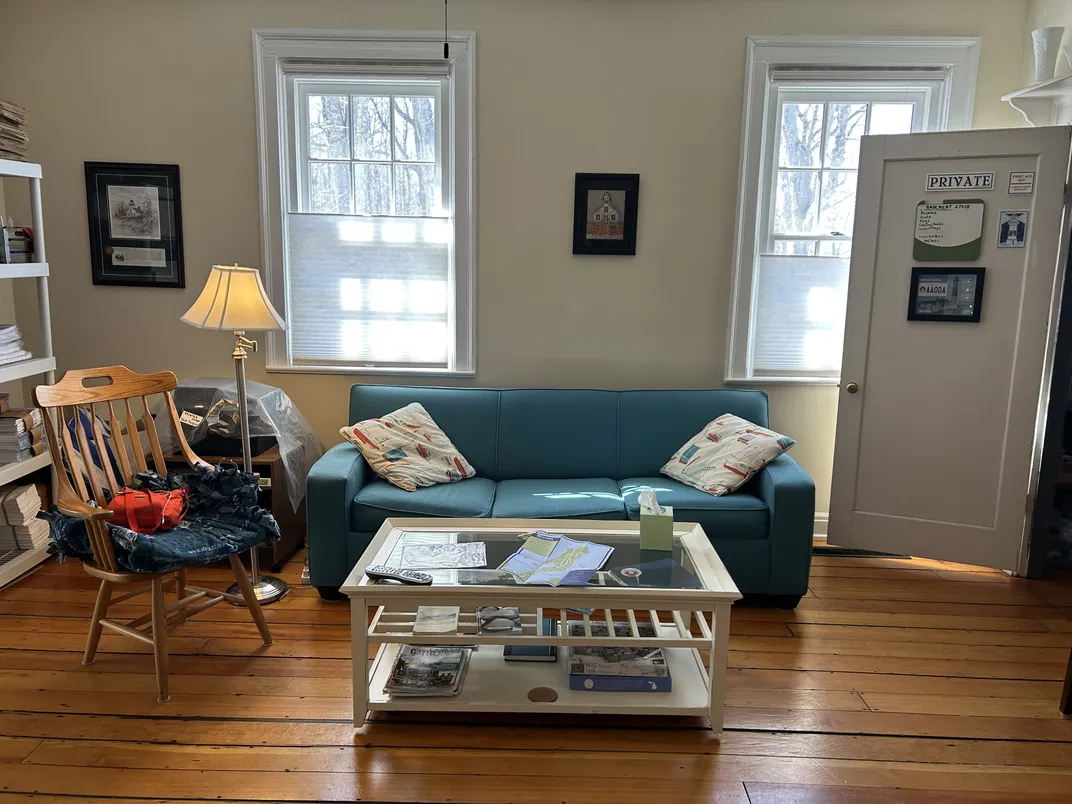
point(223, 519)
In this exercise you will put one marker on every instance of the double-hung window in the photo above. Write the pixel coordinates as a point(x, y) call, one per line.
point(369, 206)
point(803, 128)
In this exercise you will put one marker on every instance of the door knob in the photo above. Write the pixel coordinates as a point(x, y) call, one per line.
point(852, 388)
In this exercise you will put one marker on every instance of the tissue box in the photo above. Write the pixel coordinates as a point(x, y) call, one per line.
point(657, 530)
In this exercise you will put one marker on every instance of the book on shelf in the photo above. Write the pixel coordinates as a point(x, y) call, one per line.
point(436, 620)
point(639, 668)
point(428, 670)
point(535, 653)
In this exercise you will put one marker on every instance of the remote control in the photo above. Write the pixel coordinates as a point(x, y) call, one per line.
point(378, 573)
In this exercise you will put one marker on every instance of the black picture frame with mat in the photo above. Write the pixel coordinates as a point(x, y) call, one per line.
point(956, 310)
point(135, 224)
point(605, 213)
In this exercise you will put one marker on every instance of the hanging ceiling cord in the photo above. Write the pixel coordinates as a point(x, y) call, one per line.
point(446, 44)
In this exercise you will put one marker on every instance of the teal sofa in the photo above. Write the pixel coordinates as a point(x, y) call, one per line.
point(565, 454)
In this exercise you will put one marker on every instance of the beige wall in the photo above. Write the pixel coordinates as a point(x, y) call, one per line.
point(646, 86)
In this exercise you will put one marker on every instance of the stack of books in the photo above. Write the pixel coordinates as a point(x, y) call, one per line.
point(11, 350)
point(22, 435)
point(14, 141)
point(19, 526)
point(428, 670)
point(617, 669)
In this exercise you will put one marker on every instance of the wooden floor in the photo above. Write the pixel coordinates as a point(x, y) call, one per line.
point(894, 681)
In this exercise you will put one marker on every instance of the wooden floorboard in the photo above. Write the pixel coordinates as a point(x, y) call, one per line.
point(895, 681)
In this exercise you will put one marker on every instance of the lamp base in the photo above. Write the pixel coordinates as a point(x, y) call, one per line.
point(267, 588)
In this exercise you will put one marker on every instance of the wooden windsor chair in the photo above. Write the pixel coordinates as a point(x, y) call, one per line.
point(74, 466)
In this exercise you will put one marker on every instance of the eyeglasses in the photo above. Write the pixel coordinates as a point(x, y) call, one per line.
point(498, 618)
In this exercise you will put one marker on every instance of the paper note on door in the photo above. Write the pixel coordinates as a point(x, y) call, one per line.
point(948, 231)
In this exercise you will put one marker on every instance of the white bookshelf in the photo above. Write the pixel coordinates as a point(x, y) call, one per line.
point(16, 562)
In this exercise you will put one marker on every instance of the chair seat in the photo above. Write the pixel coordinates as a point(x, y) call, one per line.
point(732, 516)
point(379, 500)
point(592, 498)
point(196, 540)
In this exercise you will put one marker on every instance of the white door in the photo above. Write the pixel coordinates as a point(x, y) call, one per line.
point(939, 423)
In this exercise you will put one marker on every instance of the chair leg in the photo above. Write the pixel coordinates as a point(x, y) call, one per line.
point(104, 598)
point(159, 616)
point(180, 584)
point(251, 599)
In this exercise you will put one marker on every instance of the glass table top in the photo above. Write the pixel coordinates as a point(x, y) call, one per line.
point(628, 565)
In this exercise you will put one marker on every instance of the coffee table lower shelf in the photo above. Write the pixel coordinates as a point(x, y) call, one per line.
point(493, 684)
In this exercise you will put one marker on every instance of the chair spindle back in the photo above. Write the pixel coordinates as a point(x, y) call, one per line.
point(74, 458)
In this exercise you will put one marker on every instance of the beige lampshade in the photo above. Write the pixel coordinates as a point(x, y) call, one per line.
point(233, 298)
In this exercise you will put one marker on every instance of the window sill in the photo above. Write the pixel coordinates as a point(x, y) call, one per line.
point(371, 370)
point(782, 381)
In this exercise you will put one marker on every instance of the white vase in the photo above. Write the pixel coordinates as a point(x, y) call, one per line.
point(1047, 44)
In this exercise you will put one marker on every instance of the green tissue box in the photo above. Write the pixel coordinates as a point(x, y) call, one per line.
point(657, 530)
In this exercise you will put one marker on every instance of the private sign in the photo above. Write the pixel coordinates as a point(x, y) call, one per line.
point(960, 181)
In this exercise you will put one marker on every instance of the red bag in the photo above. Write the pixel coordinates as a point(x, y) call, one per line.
point(149, 511)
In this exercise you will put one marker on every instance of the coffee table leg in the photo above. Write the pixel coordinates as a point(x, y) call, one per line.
point(359, 639)
point(716, 668)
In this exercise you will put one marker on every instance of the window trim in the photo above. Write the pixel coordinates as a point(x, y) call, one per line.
point(328, 51)
point(958, 57)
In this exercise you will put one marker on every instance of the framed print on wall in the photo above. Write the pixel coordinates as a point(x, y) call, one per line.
point(605, 213)
point(135, 224)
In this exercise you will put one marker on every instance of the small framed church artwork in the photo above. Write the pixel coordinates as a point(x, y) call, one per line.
point(605, 213)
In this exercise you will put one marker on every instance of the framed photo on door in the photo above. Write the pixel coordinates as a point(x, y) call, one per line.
point(955, 294)
point(135, 224)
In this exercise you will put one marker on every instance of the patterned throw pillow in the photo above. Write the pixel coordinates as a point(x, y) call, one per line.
point(725, 454)
point(408, 449)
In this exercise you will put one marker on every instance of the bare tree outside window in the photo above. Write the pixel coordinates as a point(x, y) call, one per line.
point(815, 181)
point(372, 155)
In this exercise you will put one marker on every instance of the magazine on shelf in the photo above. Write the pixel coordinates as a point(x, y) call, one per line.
point(639, 668)
point(428, 670)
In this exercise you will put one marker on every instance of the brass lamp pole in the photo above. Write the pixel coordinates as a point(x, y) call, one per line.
point(234, 299)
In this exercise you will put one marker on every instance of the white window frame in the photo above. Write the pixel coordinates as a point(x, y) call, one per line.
point(279, 56)
point(951, 105)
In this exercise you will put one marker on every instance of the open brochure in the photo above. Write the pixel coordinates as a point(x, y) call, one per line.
point(556, 560)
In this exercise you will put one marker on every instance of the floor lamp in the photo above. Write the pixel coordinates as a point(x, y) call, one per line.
point(234, 299)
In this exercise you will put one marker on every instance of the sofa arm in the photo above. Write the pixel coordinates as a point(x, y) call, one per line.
point(789, 494)
point(333, 482)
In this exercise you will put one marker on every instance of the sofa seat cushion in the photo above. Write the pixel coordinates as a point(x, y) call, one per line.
point(734, 516)
point(592, 498)
point(380, 500)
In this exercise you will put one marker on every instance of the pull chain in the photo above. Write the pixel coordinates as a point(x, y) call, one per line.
point(446, 44)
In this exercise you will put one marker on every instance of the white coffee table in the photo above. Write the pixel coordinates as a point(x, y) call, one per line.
point(689, 619)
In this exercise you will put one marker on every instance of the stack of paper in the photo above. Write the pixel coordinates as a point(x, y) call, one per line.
point(22, 434)
point(21, 528)
point(14, 141)
point(11, 350)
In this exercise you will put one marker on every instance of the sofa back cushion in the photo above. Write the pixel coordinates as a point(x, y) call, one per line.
point(558, 434)
point(467, 415)
point(653, 424)
point(538, 434)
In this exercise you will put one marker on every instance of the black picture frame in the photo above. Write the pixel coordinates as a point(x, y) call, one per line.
point(623, 198)
point(922, 310)
point(135, 224)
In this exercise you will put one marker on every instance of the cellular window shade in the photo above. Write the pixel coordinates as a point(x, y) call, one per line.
point(799, 318)
point(368, 290)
